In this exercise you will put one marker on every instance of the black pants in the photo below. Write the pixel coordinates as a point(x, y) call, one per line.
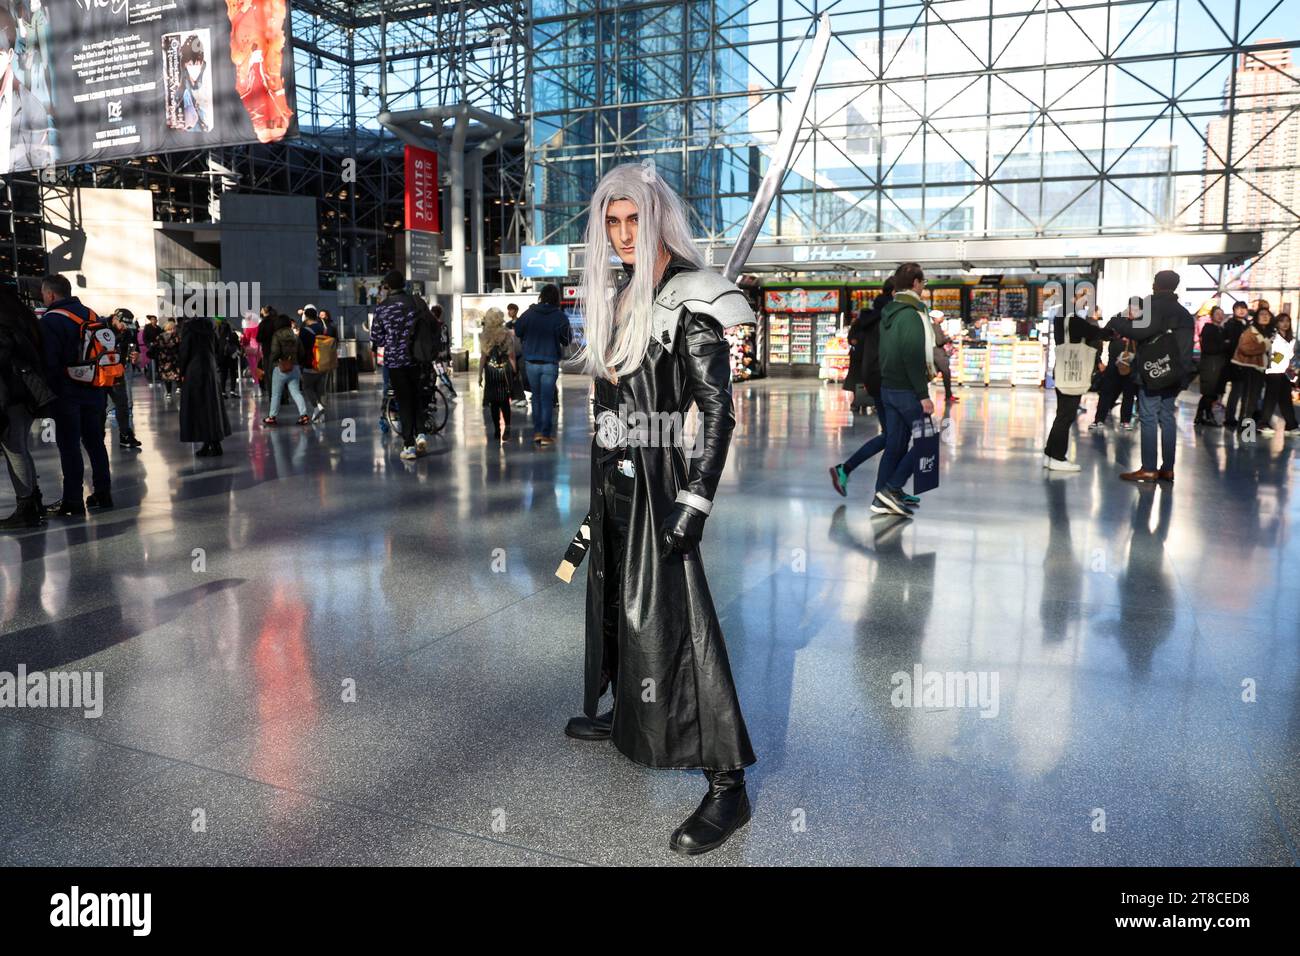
point(1113, 386)
point(77, 426)
point(121, 400)
point(1277, 398)
point(405, 383)
point(313, 383)
point(947, 381)
point(1247, 389)
point(1058, 439)
point(616, 491)
point(500, 412)
point(229, 375)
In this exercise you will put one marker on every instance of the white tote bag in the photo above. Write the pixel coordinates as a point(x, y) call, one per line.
point(1074, 365)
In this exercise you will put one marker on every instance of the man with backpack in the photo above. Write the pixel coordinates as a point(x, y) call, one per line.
point(394, 329)
point(81, 366)
point(1164, 360)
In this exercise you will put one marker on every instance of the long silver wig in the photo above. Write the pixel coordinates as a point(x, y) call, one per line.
point(618, 322)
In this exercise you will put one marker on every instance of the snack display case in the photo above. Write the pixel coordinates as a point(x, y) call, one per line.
point(835, 358)
point(1028, 364)
point(983, 302)
point(800, 323)
point(974, 364)
point(746, 358)
point(1013, 301)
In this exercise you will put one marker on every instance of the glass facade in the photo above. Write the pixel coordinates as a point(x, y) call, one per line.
point(932, 120)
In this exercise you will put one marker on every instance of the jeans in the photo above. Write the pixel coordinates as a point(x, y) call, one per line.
point(279, 380)
point(902, 409)
point(871, 447)
point(16, 443)
point(543, 376)
point(1158, 410)
point(1058, 439)
point(77, 426)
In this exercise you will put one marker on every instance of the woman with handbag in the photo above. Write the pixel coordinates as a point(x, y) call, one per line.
point(285, 371)
point(1251, 360)
point(23, 392)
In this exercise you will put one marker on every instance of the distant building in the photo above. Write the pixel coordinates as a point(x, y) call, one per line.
point(1263, 122)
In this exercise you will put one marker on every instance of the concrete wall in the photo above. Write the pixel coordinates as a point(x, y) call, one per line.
point(103, 241)
point(271, 241)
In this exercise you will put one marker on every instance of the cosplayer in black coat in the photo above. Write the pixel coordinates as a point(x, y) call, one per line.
point(667, 629)
point(203, 414)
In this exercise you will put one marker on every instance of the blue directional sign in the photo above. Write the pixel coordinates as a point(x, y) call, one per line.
point(539, 262)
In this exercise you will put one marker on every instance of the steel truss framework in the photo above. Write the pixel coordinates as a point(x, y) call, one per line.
point(934, 119)
point(351, 61)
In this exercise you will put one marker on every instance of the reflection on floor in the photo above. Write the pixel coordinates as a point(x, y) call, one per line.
point(314, 653)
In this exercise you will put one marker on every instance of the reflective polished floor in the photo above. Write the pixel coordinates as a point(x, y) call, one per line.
point(313, 653)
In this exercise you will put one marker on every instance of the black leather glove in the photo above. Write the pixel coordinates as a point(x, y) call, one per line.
point(682, 529)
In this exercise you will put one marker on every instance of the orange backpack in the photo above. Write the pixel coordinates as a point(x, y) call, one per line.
point(99, 363)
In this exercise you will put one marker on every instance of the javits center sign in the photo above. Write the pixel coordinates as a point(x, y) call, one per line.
point(89, 80)
point(422, 190)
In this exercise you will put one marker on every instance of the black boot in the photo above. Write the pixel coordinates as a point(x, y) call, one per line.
point(724, 810)
point(100, 499)
point(25, 516)
point(590, 728)
point(216, 448)
point(204, 452)
point(73, 508)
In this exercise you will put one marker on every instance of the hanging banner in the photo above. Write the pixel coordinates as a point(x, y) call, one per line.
point(90, 80)
point(422, 190)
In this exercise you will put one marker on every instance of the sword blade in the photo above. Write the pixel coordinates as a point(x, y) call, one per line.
point(798, 109)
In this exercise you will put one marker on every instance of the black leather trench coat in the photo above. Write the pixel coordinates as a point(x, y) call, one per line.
point(675, 702)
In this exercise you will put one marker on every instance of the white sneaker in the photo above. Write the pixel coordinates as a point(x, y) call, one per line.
point(408, 453)
point(319, 414)
point(422, 443)
point(1047, 461)
point(1068, 466)
point(1096, 427)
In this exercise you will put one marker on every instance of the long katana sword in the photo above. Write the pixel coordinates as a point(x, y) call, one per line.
point(784, 150)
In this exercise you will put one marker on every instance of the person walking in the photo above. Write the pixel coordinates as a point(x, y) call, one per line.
point(869, 376)
point(285, 371)
point(266, 328)
point(520, 387)
point(22, 372)
point(229, 354)
point(393, 330)
point(1168, 320)
point(122, 323)
point(149, 336)
point(1278, 380)
point(941, 361)
point(1075, 328)
point(906, 367)
point(1210, 372)
point(167, 349)
point(80, 408)
point(203, 413)
point(313, 381)
point(1251, 360)
point(496, 372)
point(545, 331)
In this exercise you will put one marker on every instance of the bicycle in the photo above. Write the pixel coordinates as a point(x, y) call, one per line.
point(433, 416)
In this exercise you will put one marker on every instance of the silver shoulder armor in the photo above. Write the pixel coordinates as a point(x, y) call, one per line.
point(699, 290)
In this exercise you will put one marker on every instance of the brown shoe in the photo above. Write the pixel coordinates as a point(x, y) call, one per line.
point(546, 442)
point(537, 438)
point(1140, 475)
point(1166, 475)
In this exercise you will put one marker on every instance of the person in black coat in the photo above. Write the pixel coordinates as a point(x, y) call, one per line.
point(1214, 356)
point(1158, 407)
point(265, 332)
point(20, 348)
point(1114, 387)
point(203, 414)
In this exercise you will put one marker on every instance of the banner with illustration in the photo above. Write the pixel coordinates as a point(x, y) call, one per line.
point(89, 80)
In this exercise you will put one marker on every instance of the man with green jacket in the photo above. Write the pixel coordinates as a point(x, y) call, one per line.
point(906, 354)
